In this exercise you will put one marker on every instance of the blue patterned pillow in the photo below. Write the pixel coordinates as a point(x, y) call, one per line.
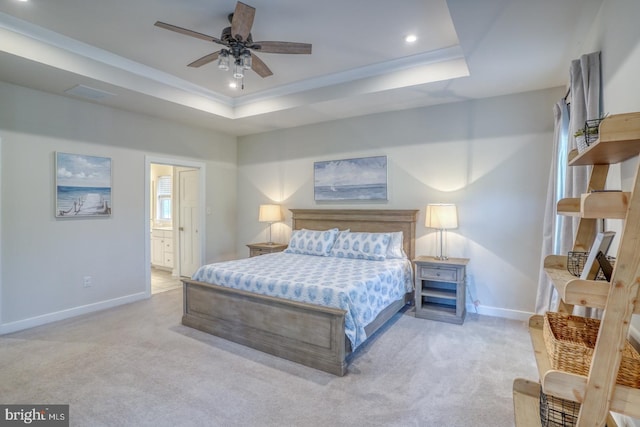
point(312, 242)
point(371, 246)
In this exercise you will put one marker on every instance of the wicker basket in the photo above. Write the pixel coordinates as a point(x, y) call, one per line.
point(570, 341)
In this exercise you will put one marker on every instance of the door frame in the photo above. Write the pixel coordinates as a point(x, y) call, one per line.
point(148, 160)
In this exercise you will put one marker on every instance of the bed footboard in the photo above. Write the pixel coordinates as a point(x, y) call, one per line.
point(308, 334)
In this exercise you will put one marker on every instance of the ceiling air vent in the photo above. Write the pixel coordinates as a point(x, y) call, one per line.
point(89, 93)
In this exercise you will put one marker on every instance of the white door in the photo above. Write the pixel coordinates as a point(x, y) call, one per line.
point(188, 232)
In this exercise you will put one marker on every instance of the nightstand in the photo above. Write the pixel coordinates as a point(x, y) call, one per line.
point(440, 288)
point(256, 249)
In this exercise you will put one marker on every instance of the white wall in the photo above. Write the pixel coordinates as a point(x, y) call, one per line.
point(44, 259)
point(491, 157)
point(616, 34)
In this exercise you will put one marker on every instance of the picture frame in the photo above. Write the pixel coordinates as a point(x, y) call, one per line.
point(82, 185)
point(362, 178)
point(601, 244)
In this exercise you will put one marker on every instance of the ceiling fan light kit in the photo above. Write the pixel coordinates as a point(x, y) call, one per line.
point(223, 60)
point(239, 43)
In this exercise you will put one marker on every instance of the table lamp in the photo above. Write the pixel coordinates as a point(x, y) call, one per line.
point(270, 214)
point(441, 216)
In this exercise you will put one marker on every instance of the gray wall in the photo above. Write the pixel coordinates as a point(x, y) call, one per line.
point(491, 157)
point(43, 258)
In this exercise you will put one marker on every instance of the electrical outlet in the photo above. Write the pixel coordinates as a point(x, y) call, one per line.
point(86, 281)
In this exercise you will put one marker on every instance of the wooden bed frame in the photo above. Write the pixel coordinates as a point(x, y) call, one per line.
point(308, 334)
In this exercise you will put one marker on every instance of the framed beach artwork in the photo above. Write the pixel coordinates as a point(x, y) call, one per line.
point(363, 178)
point(83, 186)
point(601, 244)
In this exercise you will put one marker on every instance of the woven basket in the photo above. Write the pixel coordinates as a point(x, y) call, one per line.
point(570, 341)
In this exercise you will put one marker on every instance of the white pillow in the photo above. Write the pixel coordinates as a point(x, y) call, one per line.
point(396, 246)
point(370, 246)
point(312, 242)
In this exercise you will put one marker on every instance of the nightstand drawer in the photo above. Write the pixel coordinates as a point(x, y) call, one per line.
point(257, 251)
point(435, 273)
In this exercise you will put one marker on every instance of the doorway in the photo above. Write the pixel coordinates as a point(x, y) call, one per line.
point(175, 213)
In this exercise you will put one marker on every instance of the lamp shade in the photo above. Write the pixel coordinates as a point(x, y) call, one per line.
point(442, 216)
point(270, 213)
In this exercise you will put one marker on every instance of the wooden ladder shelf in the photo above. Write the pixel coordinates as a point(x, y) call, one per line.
point(597, 392)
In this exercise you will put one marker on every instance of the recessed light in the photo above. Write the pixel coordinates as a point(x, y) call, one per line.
point(23, 1)
point(411, 38)
point(233, 85)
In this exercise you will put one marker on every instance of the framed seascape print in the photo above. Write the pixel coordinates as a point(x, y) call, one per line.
point(601, 244)
point(364, 178)
point(83, 186)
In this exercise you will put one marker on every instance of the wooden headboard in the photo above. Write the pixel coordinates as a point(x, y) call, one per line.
point(371, 220)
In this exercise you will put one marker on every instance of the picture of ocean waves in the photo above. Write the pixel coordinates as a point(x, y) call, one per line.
point(351, 192)
point(83, 201)
point(364, 178)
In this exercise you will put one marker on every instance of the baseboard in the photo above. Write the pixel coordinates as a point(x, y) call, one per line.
point(44, 319)
point(500, 312)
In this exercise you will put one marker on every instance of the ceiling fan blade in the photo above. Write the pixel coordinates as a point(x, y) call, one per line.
point(205, 60)
point(282, 47)
point(260, 67)
point(242, 21)
point(187, 32)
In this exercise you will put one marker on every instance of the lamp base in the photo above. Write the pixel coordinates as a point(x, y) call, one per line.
point(441, 256)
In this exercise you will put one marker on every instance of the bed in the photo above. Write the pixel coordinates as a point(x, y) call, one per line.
point(310, 334)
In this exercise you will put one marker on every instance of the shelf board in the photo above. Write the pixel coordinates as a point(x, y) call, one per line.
point(572, 290)
point(619, 141)
point(569, 206)
point(439, 293)
point(600, 204)
point(625, 400)
point(526, 403)
point(442, 312)
point(442, 309)
point(575, 291)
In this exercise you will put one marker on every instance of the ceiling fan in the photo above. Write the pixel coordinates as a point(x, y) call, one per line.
point(239, 43)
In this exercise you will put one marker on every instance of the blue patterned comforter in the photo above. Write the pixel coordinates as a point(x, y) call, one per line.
point(362, 288)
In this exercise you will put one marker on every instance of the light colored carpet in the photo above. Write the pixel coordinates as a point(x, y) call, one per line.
point(136, 365)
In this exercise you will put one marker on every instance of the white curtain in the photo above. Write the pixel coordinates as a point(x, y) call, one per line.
point(556, 237)
point(559, 231)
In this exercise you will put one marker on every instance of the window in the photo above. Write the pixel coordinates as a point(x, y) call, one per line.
point(165, 187)
point(561, 171)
